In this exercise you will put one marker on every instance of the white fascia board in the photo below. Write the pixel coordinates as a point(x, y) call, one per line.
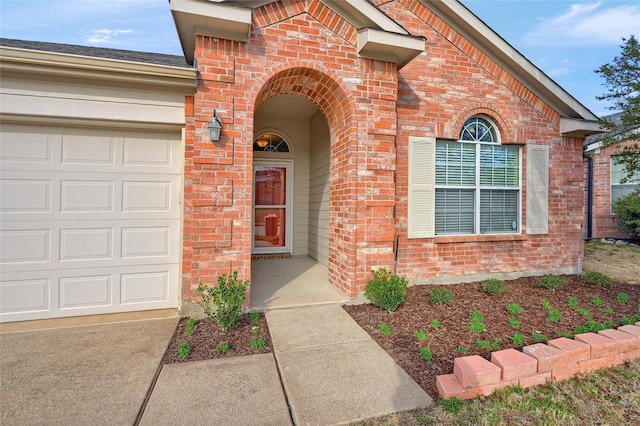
point(496, 47)
point(389, 47)
point(361, 14)
point(193, 17)
point(575, 127)
point(22, 61)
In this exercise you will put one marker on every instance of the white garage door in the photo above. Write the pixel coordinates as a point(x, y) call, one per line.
point(90, 221)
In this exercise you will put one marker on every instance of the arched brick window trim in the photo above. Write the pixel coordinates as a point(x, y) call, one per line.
point(506, 134)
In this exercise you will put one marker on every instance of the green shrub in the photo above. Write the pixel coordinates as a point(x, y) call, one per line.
point(552, 282)
point(386, 290)
point(493, 286)
point(515, 309)
point(228, 297)
point(426, 354)
point(622, 297)
point(627, 211)
point(385, 329)
point(555, 316)
point(440, 296)
point(597, 278)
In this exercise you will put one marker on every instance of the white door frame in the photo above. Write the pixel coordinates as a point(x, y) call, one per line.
point(288, 165)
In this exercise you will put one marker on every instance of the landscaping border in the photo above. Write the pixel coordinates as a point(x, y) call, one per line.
point(559, 359)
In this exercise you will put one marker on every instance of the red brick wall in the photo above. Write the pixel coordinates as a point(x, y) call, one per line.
point(305, 49)
point(438, 91)
point(604, 222)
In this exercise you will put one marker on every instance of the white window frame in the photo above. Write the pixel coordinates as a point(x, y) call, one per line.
point(629, 187)
point(477, 189)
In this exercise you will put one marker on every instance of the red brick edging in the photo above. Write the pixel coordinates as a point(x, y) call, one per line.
point(559, 359)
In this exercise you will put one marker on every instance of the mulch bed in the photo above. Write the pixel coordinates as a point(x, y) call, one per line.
point(416, 314)
point(207, 334)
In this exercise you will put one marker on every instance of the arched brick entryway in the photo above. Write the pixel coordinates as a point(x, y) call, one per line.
point(334, 101)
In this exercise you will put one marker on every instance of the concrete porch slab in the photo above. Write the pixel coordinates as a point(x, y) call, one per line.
point(231, 391)
point(285, 283)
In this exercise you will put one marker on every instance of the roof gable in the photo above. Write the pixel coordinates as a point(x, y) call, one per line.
point(375, 35)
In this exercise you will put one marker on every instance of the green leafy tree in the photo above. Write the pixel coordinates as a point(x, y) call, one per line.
point(622, 80)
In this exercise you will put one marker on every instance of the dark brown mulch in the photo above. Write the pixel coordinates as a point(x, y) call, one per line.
point(416, 314)
point(207, 334)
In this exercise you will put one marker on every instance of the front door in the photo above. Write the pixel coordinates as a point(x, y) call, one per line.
point(272, 206)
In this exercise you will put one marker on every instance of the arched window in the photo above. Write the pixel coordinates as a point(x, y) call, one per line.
point(270, 142)
point(479, 129)
point(477, 182)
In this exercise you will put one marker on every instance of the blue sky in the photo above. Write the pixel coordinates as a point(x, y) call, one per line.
point(566, 39)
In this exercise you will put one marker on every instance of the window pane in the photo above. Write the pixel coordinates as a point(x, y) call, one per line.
point(270, 187)
point(455, 164)
point(498, 211)
point(454, 211)
point(269, 227)
point(619, 191)
point(499, 165)
point(617, 173)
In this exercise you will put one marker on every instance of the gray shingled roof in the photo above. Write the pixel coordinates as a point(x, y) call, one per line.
point(98, 52)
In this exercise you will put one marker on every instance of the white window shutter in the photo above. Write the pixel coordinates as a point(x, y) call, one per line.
point(422, 160)
point(537, 189)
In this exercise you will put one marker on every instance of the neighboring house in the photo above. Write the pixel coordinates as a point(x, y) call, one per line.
point(349, 128)
point(604, 187)
point(91, 163)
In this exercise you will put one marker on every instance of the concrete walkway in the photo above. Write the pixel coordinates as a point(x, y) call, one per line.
point(325, 370)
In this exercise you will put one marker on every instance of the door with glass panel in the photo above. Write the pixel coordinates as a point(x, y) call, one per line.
point(272, 206)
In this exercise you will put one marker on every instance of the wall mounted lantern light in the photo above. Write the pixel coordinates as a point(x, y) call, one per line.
point(215, 126)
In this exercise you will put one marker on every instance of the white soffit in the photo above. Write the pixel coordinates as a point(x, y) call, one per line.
point(469, 25)
point(362, 14)
point(389, 47)
point(208, 18)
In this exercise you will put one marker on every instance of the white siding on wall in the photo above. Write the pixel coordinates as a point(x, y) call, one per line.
point(319, 191)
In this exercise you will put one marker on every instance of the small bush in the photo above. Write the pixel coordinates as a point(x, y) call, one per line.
point(597, 278)
point(627, 210)
point(384, 329)
point(435, 324)
point(622, 297)
point(440, 296)
point(493, 286)
point(386, 290)
point(515, 309)
point(426, 354)
point(183, 350)
point(555, 316)
point(420, 335)
point(517, 339)
point(228, 297)
point(552, 282)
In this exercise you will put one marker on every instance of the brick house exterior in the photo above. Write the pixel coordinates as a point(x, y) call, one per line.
point(371, 92)
point(605, 188)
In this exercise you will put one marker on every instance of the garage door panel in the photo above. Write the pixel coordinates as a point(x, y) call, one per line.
point(30, 295)
point(145, 242)
point(86, 244)
point(24, 246)
point(24, 296)
point(86, 196)
point(90, 221)
point(144, 287)
point(86, 149)
point(86, 291)
point(25, 196)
